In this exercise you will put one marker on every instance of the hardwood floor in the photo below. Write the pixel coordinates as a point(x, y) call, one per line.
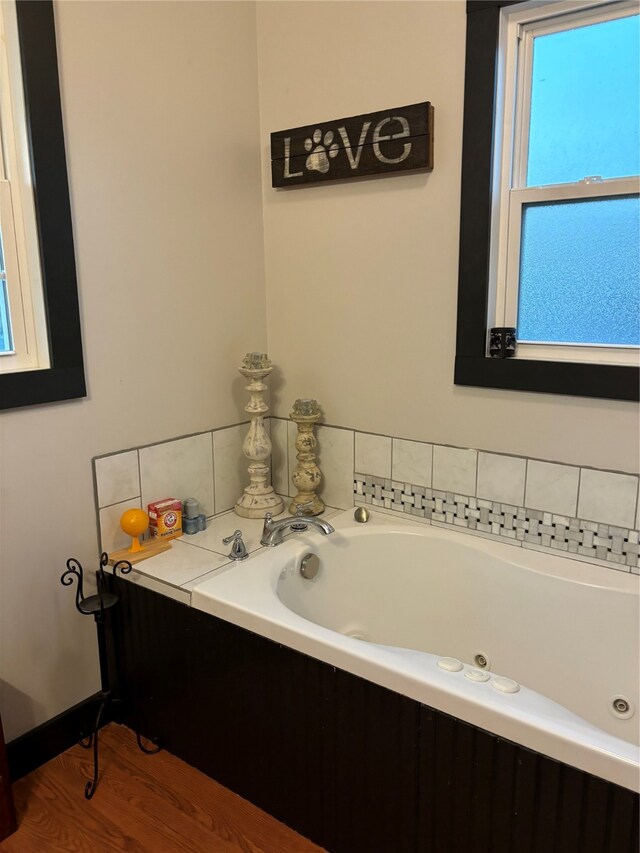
point(143, 804)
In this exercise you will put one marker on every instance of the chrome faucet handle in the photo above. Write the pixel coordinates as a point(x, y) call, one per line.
point(268, 530)
point(238, 549)
point(300, 508)
point(268, 524)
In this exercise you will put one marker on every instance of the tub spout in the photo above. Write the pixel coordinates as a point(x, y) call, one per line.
point(273, 531)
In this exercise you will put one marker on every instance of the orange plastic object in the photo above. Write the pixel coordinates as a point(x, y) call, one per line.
point(134, 522)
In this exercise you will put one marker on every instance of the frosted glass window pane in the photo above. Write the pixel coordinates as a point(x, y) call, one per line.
point(6, 344)
point(579, 272)
point(5, 331)
point(585, 103)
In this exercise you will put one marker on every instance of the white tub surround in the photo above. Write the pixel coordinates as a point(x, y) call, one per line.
point(566, 634)
point(209, 466)
point(586, 514)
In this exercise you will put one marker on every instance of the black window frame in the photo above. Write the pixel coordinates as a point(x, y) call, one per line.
point(64, 379)
point(472, 365)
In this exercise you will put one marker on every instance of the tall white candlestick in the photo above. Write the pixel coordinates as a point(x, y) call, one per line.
point(258, 497)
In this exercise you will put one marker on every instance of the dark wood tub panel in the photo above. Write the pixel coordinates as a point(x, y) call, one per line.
point(353, 766)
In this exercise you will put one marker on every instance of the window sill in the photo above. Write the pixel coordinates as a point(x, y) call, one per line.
point(611, 382)
point(33, 387)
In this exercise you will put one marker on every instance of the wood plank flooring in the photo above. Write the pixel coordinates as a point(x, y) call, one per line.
point(143, 804)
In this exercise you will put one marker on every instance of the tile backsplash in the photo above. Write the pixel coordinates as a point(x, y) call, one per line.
point(585, 513)
point(578, 538)
point(209, 466)
point(180, 468)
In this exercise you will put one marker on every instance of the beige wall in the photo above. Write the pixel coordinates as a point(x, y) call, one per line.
point(160, 104)
point(362, 276)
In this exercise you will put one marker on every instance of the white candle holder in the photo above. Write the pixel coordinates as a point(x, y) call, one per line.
point(258, 497)
point(306, 476)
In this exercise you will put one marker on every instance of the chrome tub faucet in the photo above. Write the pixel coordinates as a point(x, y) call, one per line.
point(273, 531)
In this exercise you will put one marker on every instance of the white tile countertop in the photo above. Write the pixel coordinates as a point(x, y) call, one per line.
point(193, 559)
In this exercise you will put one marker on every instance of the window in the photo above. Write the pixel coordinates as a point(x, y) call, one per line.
point(40, 344)
point(550, 226)
point(23, 342)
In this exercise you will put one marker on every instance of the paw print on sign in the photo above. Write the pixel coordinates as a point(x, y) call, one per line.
point(318, 159)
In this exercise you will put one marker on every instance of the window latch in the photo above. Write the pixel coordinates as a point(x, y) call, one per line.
point(591, 179)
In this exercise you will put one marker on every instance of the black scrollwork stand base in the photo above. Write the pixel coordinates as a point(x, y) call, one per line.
point(96, 606)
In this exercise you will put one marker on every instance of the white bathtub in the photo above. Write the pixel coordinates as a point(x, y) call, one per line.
point(567, 632)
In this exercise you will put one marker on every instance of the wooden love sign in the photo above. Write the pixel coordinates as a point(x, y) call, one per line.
point(395, 140)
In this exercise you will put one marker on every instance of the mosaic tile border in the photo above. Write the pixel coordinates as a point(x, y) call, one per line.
point(615, 547)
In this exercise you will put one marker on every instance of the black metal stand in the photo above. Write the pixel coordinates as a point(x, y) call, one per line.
point(96, 606)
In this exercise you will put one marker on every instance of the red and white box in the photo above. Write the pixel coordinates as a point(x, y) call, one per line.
point(165, 518)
